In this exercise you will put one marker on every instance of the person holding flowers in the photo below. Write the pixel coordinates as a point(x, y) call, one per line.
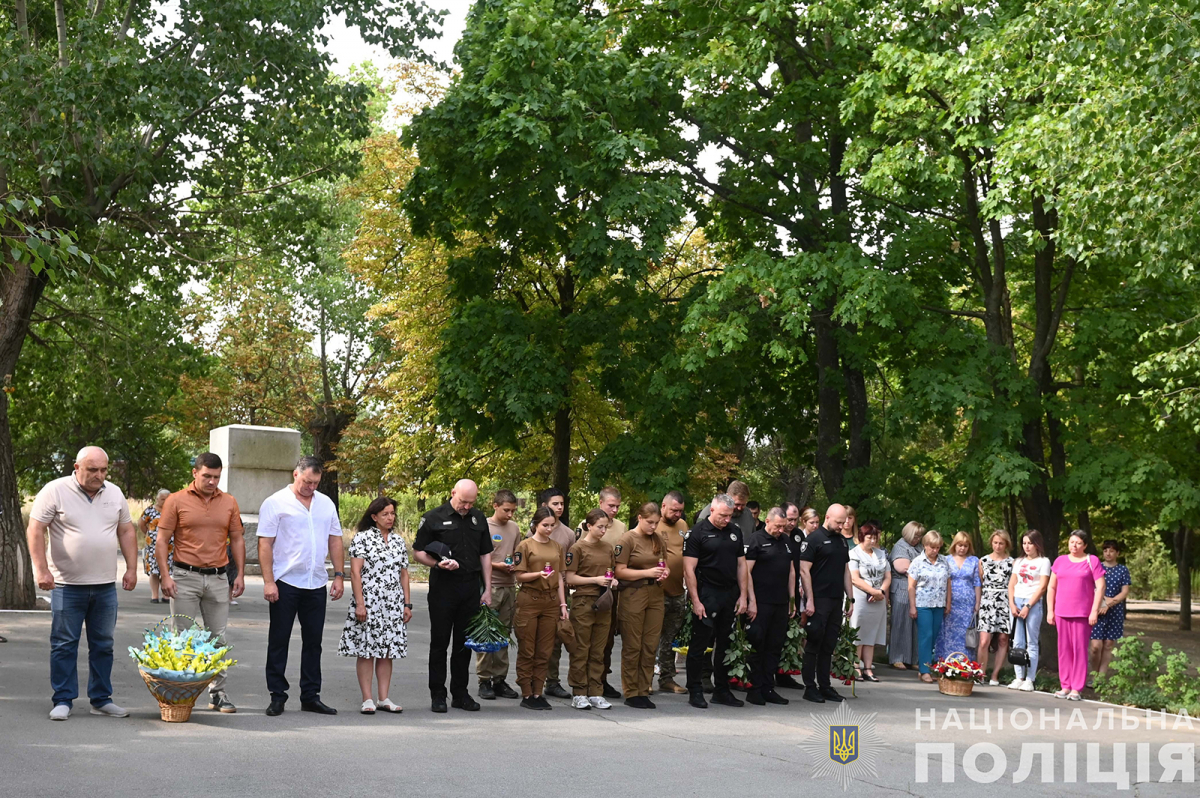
point(589, 571)
point(379, 607)
point(541, 601)
point(641, 558)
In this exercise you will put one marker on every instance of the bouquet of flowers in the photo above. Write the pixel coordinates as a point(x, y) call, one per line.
point(737, 657)
point(792, 658)
point(186, 656)
point(487, 633)
point(844, 656)
point(958, 666)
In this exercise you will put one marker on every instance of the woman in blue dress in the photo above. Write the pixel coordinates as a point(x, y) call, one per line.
point(1110, 627)
point(966, 591)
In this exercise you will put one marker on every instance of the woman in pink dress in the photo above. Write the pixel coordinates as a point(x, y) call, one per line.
point(1073, 605)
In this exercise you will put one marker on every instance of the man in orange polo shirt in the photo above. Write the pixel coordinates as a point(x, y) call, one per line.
point(199, 519)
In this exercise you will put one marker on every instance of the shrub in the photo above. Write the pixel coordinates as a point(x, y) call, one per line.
point(1154, 678)
point(1151, 570)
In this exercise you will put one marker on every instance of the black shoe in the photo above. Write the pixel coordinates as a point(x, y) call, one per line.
point(697, 700)
point(543, 703)
point(317, 706)
point(727, 698)
point(555, 690)
point(439, 704)
point(639, 702)
point(829, 694)
point(465, 702)
point(530, 703)
point(610, 691)
point(775, 698)
point(486, 691)
point(275, 708)
point(502, 690)
point(755, 697)
point(814, 695)
point(788, 681)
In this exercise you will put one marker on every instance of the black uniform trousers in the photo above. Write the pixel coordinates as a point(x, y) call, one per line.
point(453, 602)
point(720, 606)
point(309, 606)
point(767, 633)
point(824, 627)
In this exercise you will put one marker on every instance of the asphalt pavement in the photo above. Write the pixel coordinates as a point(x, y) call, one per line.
point(506, 750)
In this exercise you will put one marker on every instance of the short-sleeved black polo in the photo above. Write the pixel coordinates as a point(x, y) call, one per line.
point(717, 552)
point(829, 557)
point(772, 558)
point(466, 535)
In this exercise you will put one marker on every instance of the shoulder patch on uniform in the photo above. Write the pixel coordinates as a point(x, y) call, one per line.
point(474, 520)
point(517, 558)
point(796, 537)
point(733, 535)
point(803, 546)
point(685, 533)
point(579, 533)
point(617, 550)
point(422, 522)
point(570, 557)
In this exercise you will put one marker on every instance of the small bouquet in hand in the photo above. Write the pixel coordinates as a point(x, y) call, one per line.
point(487, 633)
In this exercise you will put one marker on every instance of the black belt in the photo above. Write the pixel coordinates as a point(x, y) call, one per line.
point(636, 584)
point(220, 569)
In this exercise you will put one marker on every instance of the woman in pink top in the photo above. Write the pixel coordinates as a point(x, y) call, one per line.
point(1073, 599)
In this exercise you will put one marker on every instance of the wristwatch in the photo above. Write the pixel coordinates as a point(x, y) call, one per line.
point(408, 606)
point(339, 573)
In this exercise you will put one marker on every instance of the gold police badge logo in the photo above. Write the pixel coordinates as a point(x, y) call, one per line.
point(843, 745)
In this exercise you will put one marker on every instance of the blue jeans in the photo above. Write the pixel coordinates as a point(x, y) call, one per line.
point(929, 626)
point(71, 608)
point(1027, 636)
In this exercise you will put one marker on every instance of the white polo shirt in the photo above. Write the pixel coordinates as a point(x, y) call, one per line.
point(301, 537)
point(83, 530)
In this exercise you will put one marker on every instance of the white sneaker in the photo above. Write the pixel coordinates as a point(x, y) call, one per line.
point(1027, 686)
point(581, 702)
point(60, 712)
point(1017, 684)
point(112, 710)
point(598, 702)
point(993, 683)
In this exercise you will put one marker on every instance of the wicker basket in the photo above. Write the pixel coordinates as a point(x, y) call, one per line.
point(955, 686)
point(175, 699)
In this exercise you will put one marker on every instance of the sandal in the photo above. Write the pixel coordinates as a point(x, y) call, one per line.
point(1074, 697)
point(368, 707)
point(1061, 693)
point(925, 677)
point(900, 666)
point(387, 706)
point(869, 675)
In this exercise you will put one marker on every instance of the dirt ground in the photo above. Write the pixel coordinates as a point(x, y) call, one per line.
point(1165, 630)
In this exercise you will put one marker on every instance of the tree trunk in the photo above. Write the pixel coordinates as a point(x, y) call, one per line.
point(20, 290)
point(1183, 567)
point(327, 428)
point(561, 458)
point(830, 464)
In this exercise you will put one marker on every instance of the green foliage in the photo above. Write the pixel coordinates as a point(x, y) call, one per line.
point(792, 658)
point(1151, 570)
point(1154, 678)
point(739, 653)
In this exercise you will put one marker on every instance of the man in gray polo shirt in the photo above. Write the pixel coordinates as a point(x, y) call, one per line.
point(87, 518)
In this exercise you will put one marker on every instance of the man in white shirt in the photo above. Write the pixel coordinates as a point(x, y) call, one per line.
point(297, 529)
point(87, 518)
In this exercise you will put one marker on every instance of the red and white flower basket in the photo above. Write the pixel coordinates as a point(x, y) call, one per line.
point(957, 674)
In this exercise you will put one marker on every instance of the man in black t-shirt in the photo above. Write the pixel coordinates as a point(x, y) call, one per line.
point(453, 540)
point(714, 560)
point(773, 574)
point(825, 572)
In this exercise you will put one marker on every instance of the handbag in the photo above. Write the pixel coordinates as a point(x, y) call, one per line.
point(1019, 656)
point(971, 639)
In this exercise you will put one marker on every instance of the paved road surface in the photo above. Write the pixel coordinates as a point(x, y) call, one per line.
point(502, 750)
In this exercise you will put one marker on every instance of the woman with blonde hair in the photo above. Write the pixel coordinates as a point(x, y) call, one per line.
point(994, 617)
point(928, 598)
point(902, 644)
point(966, 592)
point(850, 528)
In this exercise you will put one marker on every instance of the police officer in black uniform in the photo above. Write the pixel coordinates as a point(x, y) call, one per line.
point(453, 541)
point(714, 561)
point(773, 575)
point(825, 571)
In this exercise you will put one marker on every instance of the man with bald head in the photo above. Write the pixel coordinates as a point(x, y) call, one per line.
point(825, 572)
point(453, 540)
point(86, 518)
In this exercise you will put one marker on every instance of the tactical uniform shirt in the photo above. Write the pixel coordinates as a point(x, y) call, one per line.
point(717, 552)
point(467, 536)
point(590, 559)
point(772, 558)
point(829, 557)
point(640, 552)
point(532, 556)
point(673, 537)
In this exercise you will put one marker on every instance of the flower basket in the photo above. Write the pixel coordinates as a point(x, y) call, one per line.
point(486, 633)
point(957, 674)
point(177, 666)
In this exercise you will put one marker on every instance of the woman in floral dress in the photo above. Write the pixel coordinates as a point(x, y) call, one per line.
point(375, 630)
point(994, 616)
point(148, 524)
point(966, 592)
point(1111, 626)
